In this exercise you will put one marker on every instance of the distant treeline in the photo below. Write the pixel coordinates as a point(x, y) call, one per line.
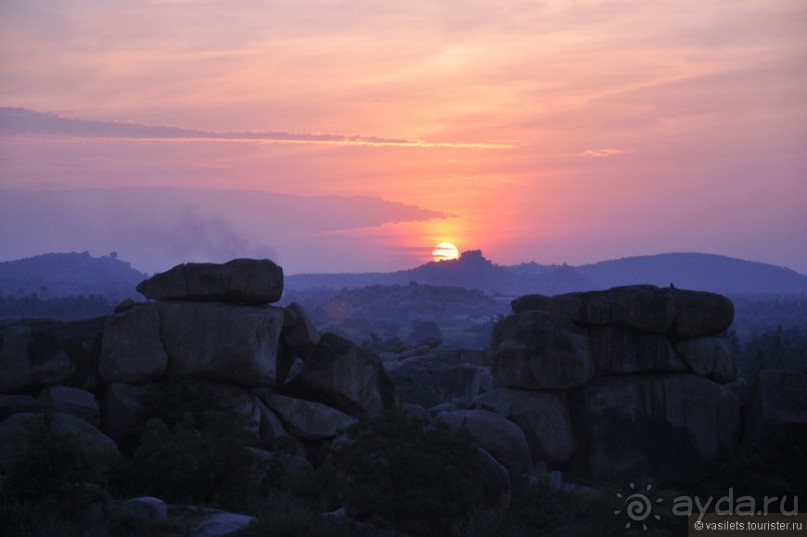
point(779, 348)
point(754, 314)
point(68, 308)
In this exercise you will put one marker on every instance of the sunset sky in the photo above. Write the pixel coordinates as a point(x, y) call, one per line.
point(550, 131)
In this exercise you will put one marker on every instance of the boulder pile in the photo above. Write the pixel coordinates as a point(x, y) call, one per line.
point(208, 323)
point(607, 383)
point(621, 384)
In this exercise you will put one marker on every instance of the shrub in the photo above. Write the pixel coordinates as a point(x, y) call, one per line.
point(173, 400)
point(201, 459)
point(281, 515)
point(409, 472)
point(317, 488)
point(50, 464)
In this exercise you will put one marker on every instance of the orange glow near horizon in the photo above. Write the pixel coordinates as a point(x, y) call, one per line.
point(547, 131)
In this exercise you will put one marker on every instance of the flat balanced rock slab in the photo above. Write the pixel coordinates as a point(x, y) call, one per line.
point(240, 281)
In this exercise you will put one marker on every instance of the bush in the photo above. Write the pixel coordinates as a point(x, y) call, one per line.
point(201, 459)
point(281, 515)
point(50, 464)
point(317, 488)
point(193, 449)
point(409, 472)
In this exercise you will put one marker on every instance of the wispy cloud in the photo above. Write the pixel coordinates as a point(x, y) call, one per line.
point(22, 122)
point(605, 153)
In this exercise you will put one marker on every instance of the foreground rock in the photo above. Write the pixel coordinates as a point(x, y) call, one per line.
point(190, 521)
point(79, 403)
point(132, 349)
point(778, 402)
point(15, 427)
point(222, 342)
point(215, 341)
point(306, 419)
point(709, 357)
point(638, 425)
point(30, 358)
point(345, 376)
point(240, 281)
point(681, 313)
point(495, 434)
point(437, 376)
point(543, 416)
point(540, 351)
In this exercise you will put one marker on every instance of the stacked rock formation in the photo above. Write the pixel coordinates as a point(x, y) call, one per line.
point(600, 381)
point(215, 323)
point(604, 385)
point(209, 323)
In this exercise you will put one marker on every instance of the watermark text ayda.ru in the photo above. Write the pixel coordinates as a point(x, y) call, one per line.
point(639, 506)
point(729, 505)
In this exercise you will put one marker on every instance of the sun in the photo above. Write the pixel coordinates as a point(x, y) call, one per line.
point(445, 251)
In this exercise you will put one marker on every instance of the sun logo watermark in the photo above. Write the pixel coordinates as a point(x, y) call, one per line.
point(638, 506)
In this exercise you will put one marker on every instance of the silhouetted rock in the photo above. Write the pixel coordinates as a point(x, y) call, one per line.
point(307, 419)
point(639, 307)
point(137, 511)
point(221, 342)
point(30, 358)
point(345, 376)
point(436, 377)
point(778, 401)
point(15, 427)
point(495, 479)
point(699, 314)
point(132, 349)
point(621, 350)
point(636, 426)
point(18, 404)
point(121, 413)
point(540, 351)
point(79, 403)
point(298, 331)
point(543, 416)
point(238, 400)
point(495, 434)
point(529, 303)
point(646, 308)
point(709, 357)
point(240, 281)
point(207, 522)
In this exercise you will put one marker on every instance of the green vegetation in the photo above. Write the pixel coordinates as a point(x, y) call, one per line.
point(780, 348)
point(406, 471)
point(65, 308)
point(206, 464)
point(53, 466)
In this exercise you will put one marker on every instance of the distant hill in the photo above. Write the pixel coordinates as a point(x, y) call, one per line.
point(706, 272)
point(70, 274)
point(74, 274)
point(470, 271)
point(709, 272)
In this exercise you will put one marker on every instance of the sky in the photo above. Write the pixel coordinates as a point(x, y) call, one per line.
point(556, 131)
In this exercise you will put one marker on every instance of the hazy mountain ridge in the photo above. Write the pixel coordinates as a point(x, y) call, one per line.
point(69, 274)
point(65, 274)
point(471, 271)
point(707, 272)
